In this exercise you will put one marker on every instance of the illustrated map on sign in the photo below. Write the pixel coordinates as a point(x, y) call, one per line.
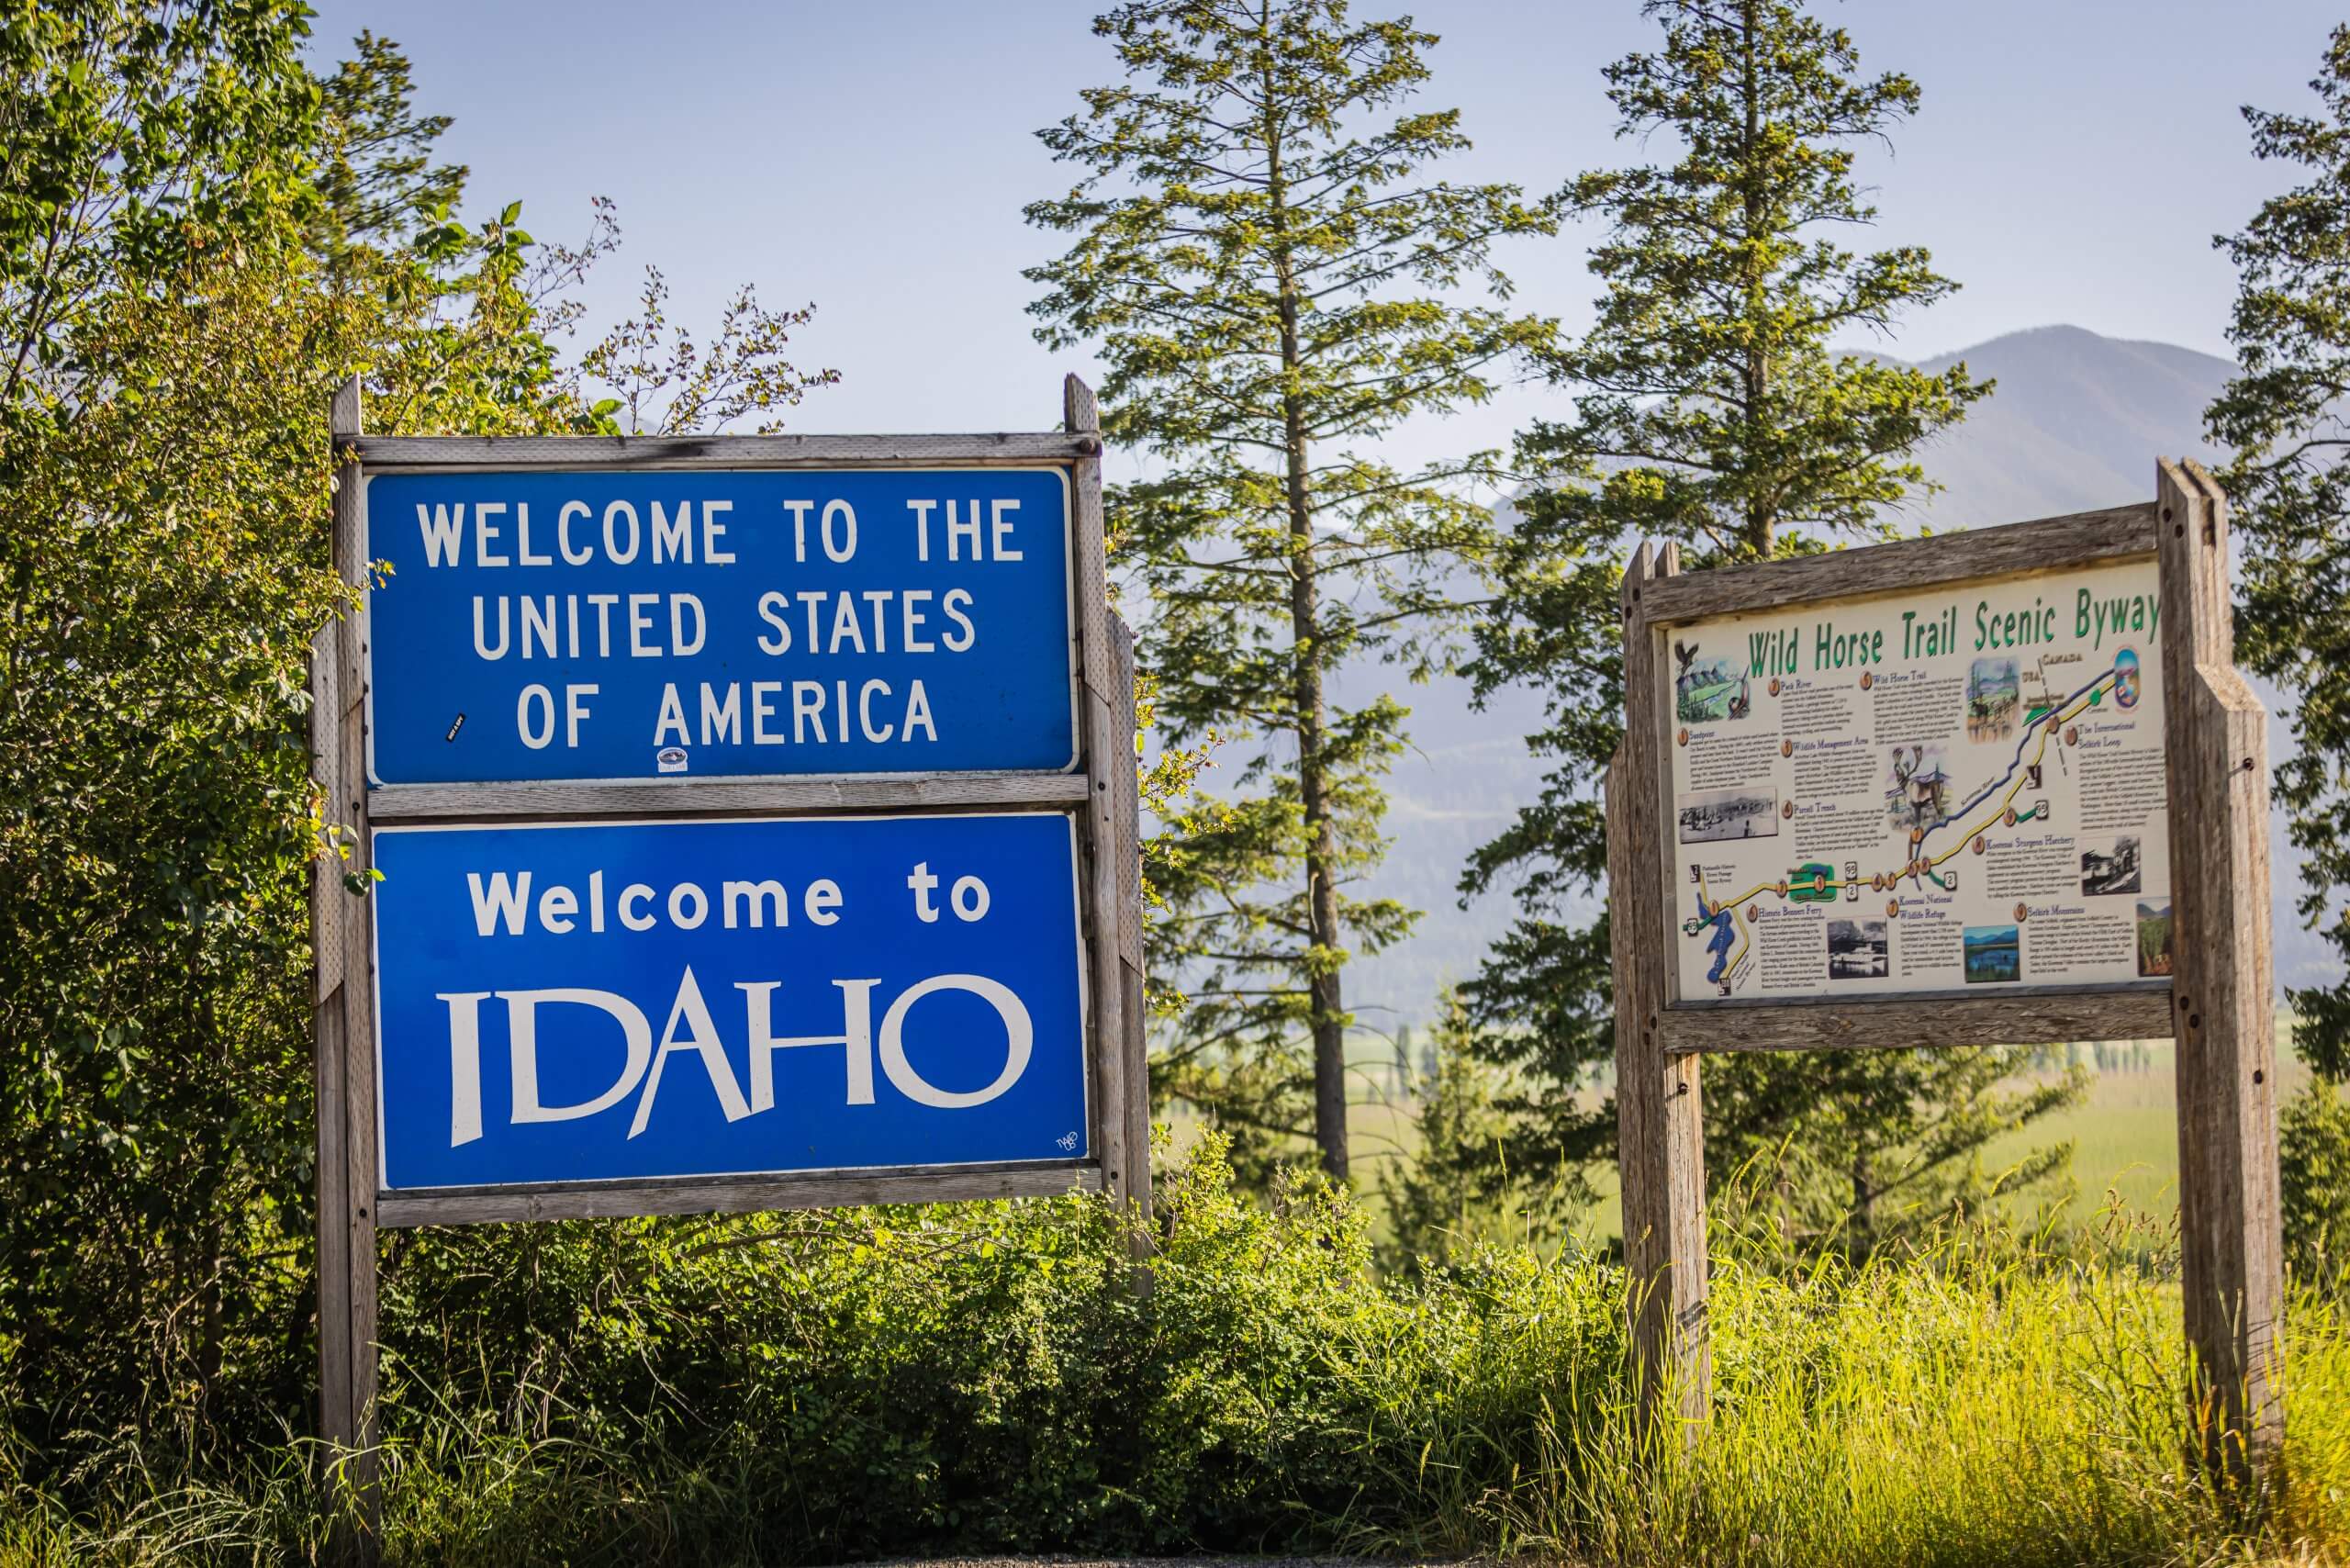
point(1955, 789)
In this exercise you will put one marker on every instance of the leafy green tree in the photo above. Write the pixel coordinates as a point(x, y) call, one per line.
point(2289, 481)
point(137, 133)
point(198, 242)
point(375, 171)
point(2314, 1160)
point(163, 477)
point(1712, 410)
point(1275, 282)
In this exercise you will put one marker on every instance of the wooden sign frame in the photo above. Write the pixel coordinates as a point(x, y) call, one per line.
point(1101, 793)
point(2218, 1003)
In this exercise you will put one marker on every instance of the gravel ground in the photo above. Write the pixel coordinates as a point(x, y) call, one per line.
point(1170, 1562)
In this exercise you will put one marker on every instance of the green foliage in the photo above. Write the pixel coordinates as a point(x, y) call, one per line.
point(1712, 413)
point(163, 472)
point(2290, 488)
point(1272, 283)
point(979, 1380)
point(137, 133)
point(198, 242)
point(2313, 1160)
point(156, 827)
point(1438, 1206)
point(376, 171)
point(1862, 1159)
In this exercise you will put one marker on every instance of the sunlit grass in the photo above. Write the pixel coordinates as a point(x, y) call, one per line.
point(1986, 1400)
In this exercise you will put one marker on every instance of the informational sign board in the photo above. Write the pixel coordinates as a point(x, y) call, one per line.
point(1997, 787)
point(718, 998)
point(1960, 789)
point(603, 624)
point(719, 824)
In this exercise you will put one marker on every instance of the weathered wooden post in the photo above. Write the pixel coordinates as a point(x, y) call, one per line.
point(341, 941)
point(1660, 1125)
point(2223, 984)
point(1109, 724)
point(1133, 1009)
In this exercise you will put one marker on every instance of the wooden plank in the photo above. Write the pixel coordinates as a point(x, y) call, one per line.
point(709, 797)
point(336, 1422)
point(748, 1195)
point(1660, 1130)
point(326, 894)
point(359, 1123)
point(347, 1166)
point(978, 449)
point(2019, 1016)
point(1658, 689)
point(2075, 539)
point(1105, 984)
point(1125, 787)
point(2222, 983)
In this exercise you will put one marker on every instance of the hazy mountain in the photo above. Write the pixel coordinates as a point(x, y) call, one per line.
point(2076, 424)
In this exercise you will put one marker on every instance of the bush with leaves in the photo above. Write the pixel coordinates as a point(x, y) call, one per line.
point(977, 1379)
point(2313, 1155)
point(197, 241)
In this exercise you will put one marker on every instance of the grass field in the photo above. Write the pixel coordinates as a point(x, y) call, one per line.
point(980, 1380)
point(2124, 1134)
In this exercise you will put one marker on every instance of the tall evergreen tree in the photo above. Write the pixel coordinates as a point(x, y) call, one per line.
point(1711, 410)
point(1274, 283)
point(2289, 482)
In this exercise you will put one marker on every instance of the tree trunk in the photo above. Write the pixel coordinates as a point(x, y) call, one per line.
point(1863, 1226)
point(1322, 979)
point(1321, 846)
point(1761, 515)
point(1323, 983)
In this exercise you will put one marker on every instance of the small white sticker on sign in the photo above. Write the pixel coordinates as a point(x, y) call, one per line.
point(671, 759)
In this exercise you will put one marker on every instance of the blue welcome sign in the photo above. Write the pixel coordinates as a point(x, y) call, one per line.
point(570, 1002)
point(605, 625)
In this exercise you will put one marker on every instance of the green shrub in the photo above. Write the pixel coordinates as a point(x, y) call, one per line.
point(984, 1378)
point(2314, 1156)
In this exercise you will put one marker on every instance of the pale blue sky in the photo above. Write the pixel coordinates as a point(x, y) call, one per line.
point(2072, 161)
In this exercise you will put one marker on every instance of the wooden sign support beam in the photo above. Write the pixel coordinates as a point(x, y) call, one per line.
point(2223, 987)
point(1660, 1131)
point(344, 1023)
point(1107, 708)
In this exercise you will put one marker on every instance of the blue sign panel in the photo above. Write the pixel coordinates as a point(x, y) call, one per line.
point(583, 1001)
point(616, 625)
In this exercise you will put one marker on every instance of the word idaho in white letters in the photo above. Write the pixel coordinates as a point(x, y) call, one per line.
point(692, 1029)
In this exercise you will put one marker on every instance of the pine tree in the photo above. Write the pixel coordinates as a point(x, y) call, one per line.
point(1436, 1211)
point(1710, 410)
point(1273, 283)
point(2289, 483)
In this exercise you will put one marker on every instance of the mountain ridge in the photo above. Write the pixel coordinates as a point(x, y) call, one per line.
point(2074, 424)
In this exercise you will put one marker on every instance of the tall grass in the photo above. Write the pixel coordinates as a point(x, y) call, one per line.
point(982, 1379)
